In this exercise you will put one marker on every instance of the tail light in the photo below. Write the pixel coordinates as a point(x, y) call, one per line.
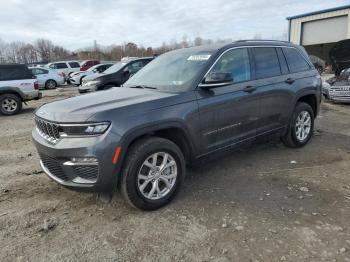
point(36, 85)
point(61, 74)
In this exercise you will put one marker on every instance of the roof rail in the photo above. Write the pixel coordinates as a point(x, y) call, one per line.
point(261, 40)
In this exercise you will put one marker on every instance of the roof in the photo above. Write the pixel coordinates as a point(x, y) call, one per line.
point(319, 12)
point(216, 47)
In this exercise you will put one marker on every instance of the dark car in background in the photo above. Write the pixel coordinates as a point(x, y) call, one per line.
point(182, 106)
point(85, 65)
point(116, 75)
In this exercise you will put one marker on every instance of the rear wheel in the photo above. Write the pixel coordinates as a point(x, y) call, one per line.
point(153, 173)
point(50, 84)
point(301, 126)
point(10, 104)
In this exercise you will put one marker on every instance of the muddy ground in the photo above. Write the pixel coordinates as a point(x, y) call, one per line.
point(264, 203)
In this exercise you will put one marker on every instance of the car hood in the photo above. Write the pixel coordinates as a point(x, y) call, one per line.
point(112, 102)
point(340, 53)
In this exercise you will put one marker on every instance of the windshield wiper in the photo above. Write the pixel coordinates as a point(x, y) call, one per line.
point(142, 86)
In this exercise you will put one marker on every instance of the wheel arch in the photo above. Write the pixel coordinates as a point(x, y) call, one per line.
point(14, 91)
point(173, 131)
point(310, 99)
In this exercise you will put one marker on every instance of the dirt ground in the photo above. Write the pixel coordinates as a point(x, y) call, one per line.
point(264, 203)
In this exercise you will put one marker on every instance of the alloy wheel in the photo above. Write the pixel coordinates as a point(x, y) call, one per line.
point(303, 126)
point(157, 175)
point(9, 105)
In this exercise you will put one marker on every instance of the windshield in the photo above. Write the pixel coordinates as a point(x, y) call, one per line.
point(174, 71)
point(114, 68)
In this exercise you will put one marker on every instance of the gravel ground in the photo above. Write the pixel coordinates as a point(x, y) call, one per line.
point(264, 203)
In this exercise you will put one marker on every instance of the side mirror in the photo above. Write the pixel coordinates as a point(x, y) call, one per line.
point(216, 79)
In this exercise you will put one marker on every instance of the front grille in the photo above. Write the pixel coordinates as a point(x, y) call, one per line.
point(54, 167)
point(48, 130)
point(86, 172)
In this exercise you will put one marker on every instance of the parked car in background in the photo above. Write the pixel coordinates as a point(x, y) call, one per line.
point(77, 77)
point(116, 75)
point(48, 78)
point(318, 63)
point(184, 105)
point(17, 85)
point(337, 88)
point(66, 67)
point(85, 65)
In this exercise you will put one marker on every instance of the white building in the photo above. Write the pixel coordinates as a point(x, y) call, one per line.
point(319, 31)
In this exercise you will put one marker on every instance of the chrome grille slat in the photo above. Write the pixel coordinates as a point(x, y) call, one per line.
point(47, 130)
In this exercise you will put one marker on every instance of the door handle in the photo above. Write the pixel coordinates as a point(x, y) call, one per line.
point(289, 81)
point(249, 89)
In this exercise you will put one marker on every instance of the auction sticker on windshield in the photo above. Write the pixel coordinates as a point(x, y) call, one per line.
point(198, 57)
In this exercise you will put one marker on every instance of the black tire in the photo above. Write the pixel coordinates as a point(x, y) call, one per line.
point(291, 139)
point(50, 84)
point(138, 153)
point(7, 109)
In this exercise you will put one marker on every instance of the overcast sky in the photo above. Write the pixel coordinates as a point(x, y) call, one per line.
point(77, 23)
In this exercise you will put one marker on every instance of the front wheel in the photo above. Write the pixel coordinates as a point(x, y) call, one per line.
point(301, 126)
point(153, 172)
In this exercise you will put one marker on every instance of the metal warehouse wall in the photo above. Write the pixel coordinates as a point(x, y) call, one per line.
point(296, 23)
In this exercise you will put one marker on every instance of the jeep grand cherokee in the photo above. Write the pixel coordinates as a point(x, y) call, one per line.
point(182, 106)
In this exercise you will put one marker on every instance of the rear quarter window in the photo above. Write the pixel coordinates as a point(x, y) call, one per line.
point(266, 62)
point(295, 61)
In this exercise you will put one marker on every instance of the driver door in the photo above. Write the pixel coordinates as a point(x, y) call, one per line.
point(229, 114)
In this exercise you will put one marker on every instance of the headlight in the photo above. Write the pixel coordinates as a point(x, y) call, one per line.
point(83, 129)
point(92, 83)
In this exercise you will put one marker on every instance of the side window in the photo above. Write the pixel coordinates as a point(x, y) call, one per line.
point(61, 65)
point(295, 61)
point(53, 66)
point(134, 67)
point(74, 64)
point(15, 73)
point(266, 62)
point(236, 62)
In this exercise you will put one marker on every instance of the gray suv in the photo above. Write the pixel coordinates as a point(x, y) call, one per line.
point(182, 106)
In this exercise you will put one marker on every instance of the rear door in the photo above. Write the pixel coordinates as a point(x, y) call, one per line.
point(62, 67)
point(276, 95)
point(229, 114)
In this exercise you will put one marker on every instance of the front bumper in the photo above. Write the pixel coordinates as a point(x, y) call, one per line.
point(75, 80)
point(57, 161)
point(85, 88)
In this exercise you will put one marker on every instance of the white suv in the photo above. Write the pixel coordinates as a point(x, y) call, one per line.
point(66, 67)
point(17, 85)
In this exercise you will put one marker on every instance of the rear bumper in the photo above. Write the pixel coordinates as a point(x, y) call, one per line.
point(33, 95)
point(59, 162)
